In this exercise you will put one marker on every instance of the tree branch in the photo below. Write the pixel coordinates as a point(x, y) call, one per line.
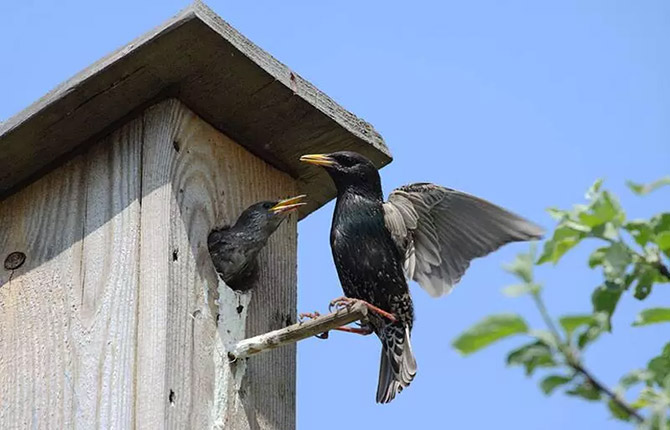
point(297, 332)
point(663, 270)
point(573, 361)
point(606, 390)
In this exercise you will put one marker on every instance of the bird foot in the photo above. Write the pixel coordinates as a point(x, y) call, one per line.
point(312, 315)
point(308, 315)
point(343, 302)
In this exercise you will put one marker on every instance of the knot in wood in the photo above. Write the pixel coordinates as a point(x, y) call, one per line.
point(15, 260)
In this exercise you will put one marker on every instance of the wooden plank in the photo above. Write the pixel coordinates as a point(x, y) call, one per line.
point(106, 314)
point(196, 177)
point(36, 370)
point(67, 316)
point(225, 78)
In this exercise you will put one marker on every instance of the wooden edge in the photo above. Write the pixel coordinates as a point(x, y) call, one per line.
point(296, 332)
point(198, 10)
point(301, 87)
point(64, 88)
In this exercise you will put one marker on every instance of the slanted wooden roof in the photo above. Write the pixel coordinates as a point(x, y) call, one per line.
point(221, 75)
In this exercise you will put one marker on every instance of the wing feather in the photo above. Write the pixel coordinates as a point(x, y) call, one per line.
point(440, 230)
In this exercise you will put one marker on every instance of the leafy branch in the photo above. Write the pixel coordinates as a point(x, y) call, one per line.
point(632, 258)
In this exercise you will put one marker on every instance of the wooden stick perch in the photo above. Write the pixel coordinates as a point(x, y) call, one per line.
point(297, 332)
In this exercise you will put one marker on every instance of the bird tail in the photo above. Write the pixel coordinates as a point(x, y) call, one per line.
point(398, 366)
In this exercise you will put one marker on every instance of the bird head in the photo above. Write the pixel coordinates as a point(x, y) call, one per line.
point(266, 216)
point(348, 170)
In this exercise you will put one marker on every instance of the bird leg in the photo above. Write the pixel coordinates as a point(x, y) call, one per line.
point(313, 315)
point(361, 331)
point(341, 302)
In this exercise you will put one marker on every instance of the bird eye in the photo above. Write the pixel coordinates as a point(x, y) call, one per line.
point(346, 161)
point(267, 205)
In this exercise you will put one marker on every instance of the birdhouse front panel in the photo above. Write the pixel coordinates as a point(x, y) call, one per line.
point(115, 317)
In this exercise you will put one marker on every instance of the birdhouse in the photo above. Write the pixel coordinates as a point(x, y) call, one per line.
point(109, 186)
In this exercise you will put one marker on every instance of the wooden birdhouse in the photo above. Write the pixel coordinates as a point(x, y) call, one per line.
point(109, 186)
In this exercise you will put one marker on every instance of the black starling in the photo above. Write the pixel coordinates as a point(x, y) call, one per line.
point(234, 249)
point(426, 232)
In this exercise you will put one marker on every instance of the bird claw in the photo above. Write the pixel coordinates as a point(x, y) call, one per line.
point(308, 315)
point(341, 303)
point(312, 315)
point(345, 302)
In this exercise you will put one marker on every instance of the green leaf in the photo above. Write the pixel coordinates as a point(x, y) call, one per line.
point(562, 241)
point(597, 257)
point(641, 230)
point(599, 325)
point(585, 390)
point(635, 376)
point(659, 366)
point(557, 214)
point(663, 240)
point(594, 189)
point(606, 208)
point(489, 330)
point(520, 289)
point(660, 223)
point(616, 260)
point(522, 266)
point(617, 411)
point(546, 337)
point(551, 382)
point(605, 298)
point(572, 322)
point(531, 356)
point(606, 231)
point(642, 189)
point(652, 316)
point(646, 277)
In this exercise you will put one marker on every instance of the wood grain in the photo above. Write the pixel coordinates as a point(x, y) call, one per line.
point(111, 321)
point(67, 316)
point(194, 178)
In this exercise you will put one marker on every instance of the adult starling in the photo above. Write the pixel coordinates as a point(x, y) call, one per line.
point(426, 232)
point(234, 250)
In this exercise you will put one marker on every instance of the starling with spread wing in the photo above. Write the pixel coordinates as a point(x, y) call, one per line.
point(234, 250)
point(425, 232)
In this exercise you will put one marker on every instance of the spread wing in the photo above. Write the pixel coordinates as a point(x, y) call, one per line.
point(440, 230)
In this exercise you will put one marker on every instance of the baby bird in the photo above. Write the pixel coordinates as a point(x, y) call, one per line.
point(234, 250)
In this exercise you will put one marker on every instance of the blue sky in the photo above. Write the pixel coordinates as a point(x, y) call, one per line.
point(524, 103)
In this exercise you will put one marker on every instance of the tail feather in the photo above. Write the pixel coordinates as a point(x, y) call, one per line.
point(398, 366)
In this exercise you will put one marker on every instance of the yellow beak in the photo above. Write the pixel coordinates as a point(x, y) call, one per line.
point(288, 205)
point(318, 159)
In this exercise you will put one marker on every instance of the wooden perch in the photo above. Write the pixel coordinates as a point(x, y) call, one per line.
point(297, 332)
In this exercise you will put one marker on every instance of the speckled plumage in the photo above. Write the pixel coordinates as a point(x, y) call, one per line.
point(426, 232)
point(369, 266)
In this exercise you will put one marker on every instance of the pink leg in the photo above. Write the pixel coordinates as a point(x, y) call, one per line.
point(347, 301)
point(361, 331)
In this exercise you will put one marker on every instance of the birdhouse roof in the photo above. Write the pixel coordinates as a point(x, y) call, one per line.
point(218, 73)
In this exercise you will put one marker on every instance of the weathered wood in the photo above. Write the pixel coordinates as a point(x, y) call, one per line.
point(111, 320)
point(67, 316)
point(296, 332)
point(194, 178)
point(222, 76)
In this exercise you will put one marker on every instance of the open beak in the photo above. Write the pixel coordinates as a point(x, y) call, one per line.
point(288, 205)
point(318, 159)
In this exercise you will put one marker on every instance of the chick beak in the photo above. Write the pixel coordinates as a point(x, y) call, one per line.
point(288, 205)
point(318, 159)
